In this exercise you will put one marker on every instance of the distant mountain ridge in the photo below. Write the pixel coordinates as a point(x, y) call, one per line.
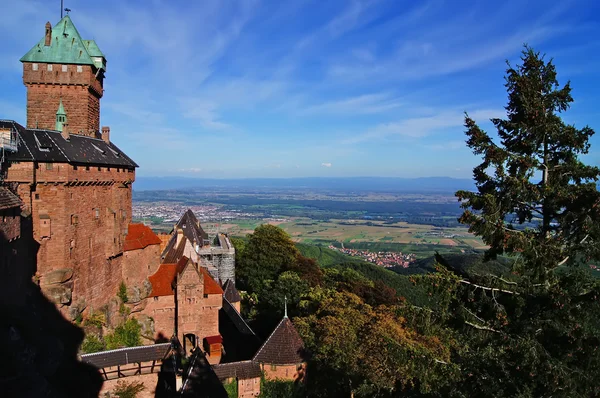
point(344, 184)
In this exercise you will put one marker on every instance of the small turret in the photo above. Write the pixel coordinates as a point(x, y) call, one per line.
point(61, 117)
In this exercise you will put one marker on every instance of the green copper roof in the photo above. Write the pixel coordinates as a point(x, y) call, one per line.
point(95, 53)
point(92, 48)
point(61, 117)
point(61, 109)
point(66, 47)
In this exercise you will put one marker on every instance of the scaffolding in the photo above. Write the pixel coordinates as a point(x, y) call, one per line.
point(9, 142)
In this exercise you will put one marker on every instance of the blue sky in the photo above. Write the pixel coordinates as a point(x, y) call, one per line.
point(250, 88)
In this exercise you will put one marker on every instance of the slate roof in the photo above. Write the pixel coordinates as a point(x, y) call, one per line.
point(240, 370)
point(66, 46)
point(8, 200)
point(230, 292)
point(192, 231)
point(173, 252)
point(139, 236)
point(50, 146)
point(283, 347)
point(124, 356)
point(239, 340)
point(201, 381)
point(191, 228)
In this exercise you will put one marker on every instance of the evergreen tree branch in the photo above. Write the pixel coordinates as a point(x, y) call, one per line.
point(481, 327)
point(493, 289)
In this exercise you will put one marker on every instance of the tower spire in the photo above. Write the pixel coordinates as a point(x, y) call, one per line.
point(285, 305)
point(61, 117)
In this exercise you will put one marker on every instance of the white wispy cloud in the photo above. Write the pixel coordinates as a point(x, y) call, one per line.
point(417, 127)
point(203, 111)
point(365, 104)
point(447, 48)
point(326, 164)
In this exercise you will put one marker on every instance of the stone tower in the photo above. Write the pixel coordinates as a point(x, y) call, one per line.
point(64, 67)
point(75, 189)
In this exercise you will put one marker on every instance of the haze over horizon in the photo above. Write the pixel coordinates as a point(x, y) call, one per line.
point(247, 89)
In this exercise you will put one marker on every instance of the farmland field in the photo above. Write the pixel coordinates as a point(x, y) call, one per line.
point(375, 235)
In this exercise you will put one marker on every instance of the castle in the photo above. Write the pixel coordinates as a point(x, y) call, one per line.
point(65, 219)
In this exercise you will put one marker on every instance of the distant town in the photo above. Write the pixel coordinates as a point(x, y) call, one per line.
point(383, 259)
point(169, 212)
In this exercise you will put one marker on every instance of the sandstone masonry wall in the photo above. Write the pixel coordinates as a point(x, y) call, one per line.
point(283, 372)
point(139, 264)
point(77, 85)
point(162, 310)
point(80, 215)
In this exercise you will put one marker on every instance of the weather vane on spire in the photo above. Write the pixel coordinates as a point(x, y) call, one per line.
point(63, 8)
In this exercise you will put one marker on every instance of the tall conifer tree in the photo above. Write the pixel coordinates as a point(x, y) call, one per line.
point(534, 195)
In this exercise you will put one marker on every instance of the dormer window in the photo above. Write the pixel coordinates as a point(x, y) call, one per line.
point(117, 154)
point(42, 146)
point(99, 150)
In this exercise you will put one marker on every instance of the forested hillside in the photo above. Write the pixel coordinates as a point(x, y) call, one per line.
point(521, 321)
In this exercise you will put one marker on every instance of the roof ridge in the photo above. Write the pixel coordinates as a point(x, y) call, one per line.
point(269, 338)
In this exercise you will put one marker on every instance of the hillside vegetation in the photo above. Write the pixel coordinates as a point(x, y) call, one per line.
point(521, 321)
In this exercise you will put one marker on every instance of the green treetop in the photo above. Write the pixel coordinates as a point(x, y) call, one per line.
point(534, 194)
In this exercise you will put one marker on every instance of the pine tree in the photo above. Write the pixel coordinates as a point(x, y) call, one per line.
point(536, 332)
point(534, 194)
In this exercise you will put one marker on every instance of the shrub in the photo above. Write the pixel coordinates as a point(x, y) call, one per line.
point(128, 390)
point(97, 319)
point(122, 293)
point(125, 335)
point(92, 343)
point(232, 389)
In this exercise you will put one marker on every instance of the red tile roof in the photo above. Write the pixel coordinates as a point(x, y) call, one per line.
point(139, 236)
point(210, 286)
point(162, 280)
point(214, 339)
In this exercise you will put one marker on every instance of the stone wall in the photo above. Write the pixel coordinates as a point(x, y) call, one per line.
point(77, 85)
point(162, 310)
point(139, 264)
point(249, 387)
point(284, 372)
point(196, 313)
point(79, 215)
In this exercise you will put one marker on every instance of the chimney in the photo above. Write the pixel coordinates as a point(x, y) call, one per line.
point(106, 134)
point(48, 34)
point(65, 131)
